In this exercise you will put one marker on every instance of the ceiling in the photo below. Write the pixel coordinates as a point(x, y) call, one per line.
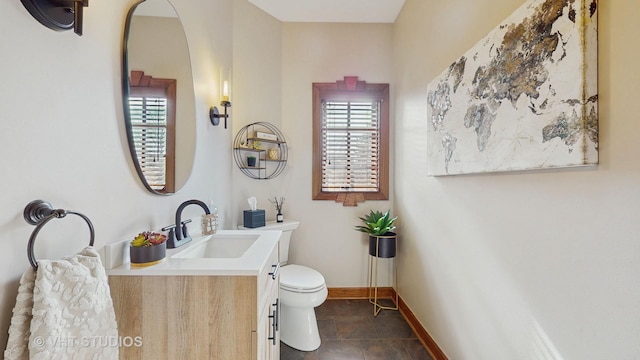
point(350, 11)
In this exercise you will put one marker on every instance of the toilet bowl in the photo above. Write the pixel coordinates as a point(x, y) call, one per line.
point(301, 290)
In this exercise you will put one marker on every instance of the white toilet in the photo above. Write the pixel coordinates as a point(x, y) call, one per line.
point(301, 290)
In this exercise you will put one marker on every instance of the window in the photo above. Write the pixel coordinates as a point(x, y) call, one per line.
point(350, 141)
point(152, 112)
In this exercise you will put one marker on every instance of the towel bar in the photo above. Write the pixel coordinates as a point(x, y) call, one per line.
point(39, 212)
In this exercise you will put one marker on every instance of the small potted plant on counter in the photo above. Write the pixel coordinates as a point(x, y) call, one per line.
point(147, 248)
point(379, 227)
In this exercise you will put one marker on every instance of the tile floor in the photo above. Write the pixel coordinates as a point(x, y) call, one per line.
point(349, 331)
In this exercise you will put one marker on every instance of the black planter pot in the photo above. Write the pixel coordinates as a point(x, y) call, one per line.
point(147, 254)
point(385, 244)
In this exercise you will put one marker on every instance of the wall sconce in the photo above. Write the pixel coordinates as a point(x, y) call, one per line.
point(58, 14)
point(214, 114)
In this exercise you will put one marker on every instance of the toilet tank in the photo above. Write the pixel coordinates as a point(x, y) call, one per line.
point(287, 228)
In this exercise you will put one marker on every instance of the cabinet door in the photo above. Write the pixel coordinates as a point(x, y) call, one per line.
point(275, 328)
point(264, 334)
point(188, 317)
point(267, 335)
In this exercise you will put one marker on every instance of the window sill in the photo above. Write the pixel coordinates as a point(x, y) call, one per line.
point(350, 198)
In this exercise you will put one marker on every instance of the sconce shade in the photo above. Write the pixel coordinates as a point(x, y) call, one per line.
point(225, 92)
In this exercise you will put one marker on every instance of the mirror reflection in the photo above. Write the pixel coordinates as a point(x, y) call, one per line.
point(158, 96)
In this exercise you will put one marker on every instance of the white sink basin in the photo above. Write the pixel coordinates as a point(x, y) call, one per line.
point(227, 253)
point(220, 246)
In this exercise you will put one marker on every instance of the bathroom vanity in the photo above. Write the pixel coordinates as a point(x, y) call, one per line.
point(215, 298)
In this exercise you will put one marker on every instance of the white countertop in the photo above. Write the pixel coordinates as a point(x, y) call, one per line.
point(249, 264)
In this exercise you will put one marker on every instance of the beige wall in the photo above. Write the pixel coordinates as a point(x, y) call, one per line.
point(326, 239)
point(526, 265)
point(62, 132)
point(257, 96)
point(274, 64)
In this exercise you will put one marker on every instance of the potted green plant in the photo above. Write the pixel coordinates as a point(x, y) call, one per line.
point(382, 239)
point(147, 248)
point(251, 161)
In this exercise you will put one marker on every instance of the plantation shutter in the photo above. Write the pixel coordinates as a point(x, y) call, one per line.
point(149, 127)
point(350, 138)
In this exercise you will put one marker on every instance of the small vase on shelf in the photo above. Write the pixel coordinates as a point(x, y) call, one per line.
point(279, 217)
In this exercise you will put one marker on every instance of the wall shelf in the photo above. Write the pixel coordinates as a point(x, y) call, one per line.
point(271, 153)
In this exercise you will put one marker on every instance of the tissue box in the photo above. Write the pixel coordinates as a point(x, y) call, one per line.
point(253, 219)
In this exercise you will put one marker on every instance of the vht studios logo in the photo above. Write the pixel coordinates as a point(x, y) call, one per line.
point(87, 341)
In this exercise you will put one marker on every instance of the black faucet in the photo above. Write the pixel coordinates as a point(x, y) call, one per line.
point(178, 233)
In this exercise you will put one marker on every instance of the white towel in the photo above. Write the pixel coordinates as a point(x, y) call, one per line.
point(66, 312)
point(21, 319)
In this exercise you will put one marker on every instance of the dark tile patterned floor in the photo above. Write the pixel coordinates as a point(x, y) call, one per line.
point(349, 331)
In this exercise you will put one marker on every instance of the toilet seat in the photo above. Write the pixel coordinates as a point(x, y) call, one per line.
point(300, 279)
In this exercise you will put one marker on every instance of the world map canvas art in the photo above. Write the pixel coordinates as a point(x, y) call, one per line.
point(524, 97)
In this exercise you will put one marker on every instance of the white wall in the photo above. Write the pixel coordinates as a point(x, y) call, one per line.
point(62, 132)
point(527, 265)
point(315, 52)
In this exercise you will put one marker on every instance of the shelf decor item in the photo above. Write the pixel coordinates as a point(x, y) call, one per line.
point(209, 224)
point(251, 161)
point(278, 204)
point(267, 144)
point(266, 136)
point(147, 248)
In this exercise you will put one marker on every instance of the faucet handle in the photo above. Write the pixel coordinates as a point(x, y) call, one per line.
point(171, 237)
point(168, 227)
point(185, 230)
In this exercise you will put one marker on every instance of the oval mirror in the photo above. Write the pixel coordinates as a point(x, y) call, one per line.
point(158, 96)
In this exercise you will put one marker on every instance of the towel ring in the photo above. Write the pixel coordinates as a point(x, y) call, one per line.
point(39, 213)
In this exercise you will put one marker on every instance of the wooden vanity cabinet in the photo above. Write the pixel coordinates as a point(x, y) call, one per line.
point(199, 317)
